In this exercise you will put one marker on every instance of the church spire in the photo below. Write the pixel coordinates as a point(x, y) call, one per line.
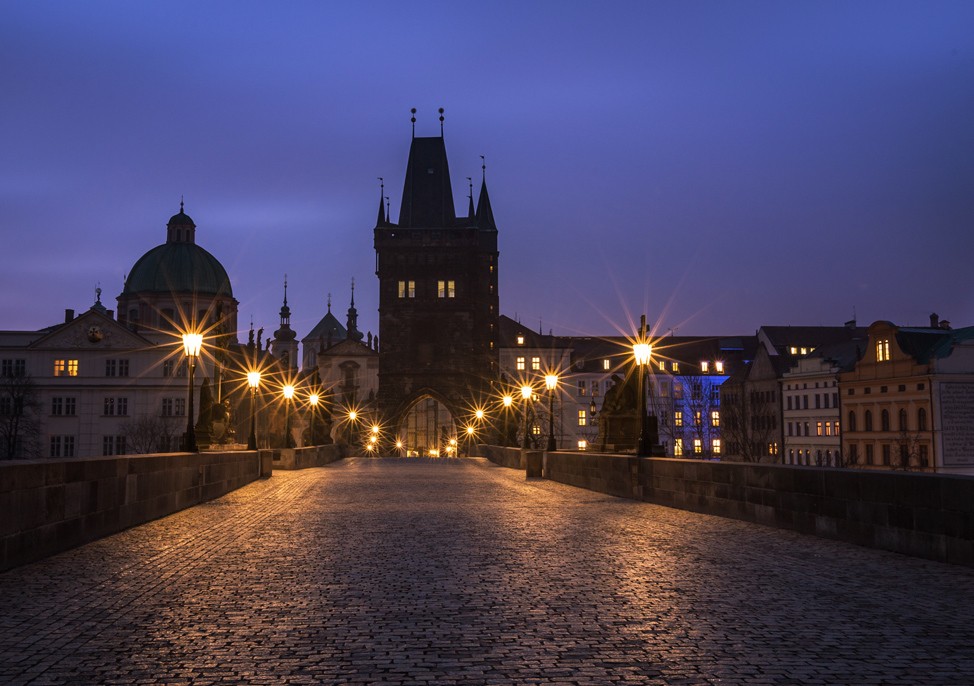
point(471, 213)
point(351, 323)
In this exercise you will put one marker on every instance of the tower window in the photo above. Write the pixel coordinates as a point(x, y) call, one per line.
point(882, 350)
point(446, 289)
point(519, 364)
point(407, 289)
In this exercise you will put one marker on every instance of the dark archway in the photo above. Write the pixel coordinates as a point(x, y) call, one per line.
point(427, 428)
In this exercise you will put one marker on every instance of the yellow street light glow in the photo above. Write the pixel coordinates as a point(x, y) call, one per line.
point(642, 351)
point(453, 441)
point(192, 343)
point(508, 400)
point(526, 392)
point(470, 431)
point(288, 391)
point(313, 399)
point(352, 414)
point(479, 414)
point(399, 445)
point(375, 428)
point(253, 379)
point(551, 381)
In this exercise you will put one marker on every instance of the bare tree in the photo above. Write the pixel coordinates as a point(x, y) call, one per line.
point(149, 434)
point(20, 425)
point(697, 403)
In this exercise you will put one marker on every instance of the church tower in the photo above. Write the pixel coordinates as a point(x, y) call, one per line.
point(438, 303)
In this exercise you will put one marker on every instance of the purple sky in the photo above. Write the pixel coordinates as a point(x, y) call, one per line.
point(718, 165)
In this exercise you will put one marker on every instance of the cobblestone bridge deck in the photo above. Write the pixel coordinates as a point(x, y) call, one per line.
point(409, 571)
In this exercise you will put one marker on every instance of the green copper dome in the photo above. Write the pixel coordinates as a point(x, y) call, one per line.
point(178, 267)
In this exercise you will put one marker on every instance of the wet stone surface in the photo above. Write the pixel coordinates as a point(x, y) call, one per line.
point(415, 572)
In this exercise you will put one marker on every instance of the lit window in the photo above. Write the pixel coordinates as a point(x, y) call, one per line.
point(535, 430)
point(704, 367)
point(678, 447)
point(818, 428)
point(520, 340)
point(697, 446)
point(697, 418)
point(716, 446)
point(407, 289)
point(605, 365)
point(715, 418)
point(582, 418)
point(678, 418)
point(581, 388)
point(582, 445)
point(519, 364)
point(793, 350)
point(446, 289)
point(536, 364)
point(59, 368)
point(72, 367)
point(882, 350)
point(676, 367)
point(719, 367)
point(828, 428)
point(804, 351)
point(662, 366)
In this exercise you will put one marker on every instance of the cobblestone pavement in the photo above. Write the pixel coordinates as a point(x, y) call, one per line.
point(413, 572)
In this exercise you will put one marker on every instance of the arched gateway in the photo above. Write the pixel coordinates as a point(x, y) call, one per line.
point(427, 427)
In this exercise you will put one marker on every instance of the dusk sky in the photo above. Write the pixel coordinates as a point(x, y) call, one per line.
point(716, 165)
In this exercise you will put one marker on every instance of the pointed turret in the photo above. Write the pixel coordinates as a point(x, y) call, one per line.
point(285, 343)
point(382, 220)
point(427, 197)
point(351, 327)
point(485, 215)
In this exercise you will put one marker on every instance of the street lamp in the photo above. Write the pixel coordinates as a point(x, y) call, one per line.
point(313, 399)
point(642, 351)
point(288, 391)
point(507, 400)
point(470, 436)
point(526, 393)
point(551, 382)
point(253, 380)
point(192, 344)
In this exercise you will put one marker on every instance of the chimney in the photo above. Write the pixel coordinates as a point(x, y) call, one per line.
point(934, 321)
point(68, 316)
point(945, 325)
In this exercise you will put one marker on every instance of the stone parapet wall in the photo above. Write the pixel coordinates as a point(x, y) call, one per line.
point(47, 506)
point(304, 458)
point(924, 515)
point(500, 455)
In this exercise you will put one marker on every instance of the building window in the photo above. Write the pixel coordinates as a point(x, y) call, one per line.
point(719, 367)
point(173, 407)
point(869, 453)
point(13, 368)
point(582, 418)
point(582, 444)
point(66, 407)
point(884, 420)
point(62, 446)
point(868, 421)
point(675, 367)
point(697, 418)
point(535, 430)
point(924, 456)
point(407, 289)
point(596, 390)
point(828, 428)
point(886, 455)
point(773, 448)
point(116, 407)
point(788, 403)
point(714, 418)
point(704, 367)
point(922, 419)
point(715, 446)
point(116, 367)
point(605, 365)
point(882, 350)
point(818, 428)
point(789, 429)
point(852, 420)
point(446, 289)
point(697, 446)
point(581, 388)
point(520, 340)
point(678, 418)
point(677, 447)
point(65, 367)
point(519, 364)
point(662, 366)
point(113, 445)
point(536, 364)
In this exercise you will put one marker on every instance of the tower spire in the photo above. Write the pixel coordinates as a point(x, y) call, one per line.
point(413, 120)
point(485, 215)
point(381, 221)
point(441, 122)
point(471, 213)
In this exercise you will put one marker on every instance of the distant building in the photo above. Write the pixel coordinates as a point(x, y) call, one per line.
point(908, 403)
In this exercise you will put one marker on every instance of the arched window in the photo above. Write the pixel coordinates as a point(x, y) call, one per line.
point(884, 420)
point(852, 420)
point(903, 420)
point(868, 421)
point(922, 419)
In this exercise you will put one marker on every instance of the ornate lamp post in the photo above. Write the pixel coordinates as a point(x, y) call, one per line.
point(313, 399)
point(551, 383)
point(288, 391)
point(192, 345)
point(642, 352)
point(470, 436)
point(507, 400)
point(526, 393)
point(253, 380)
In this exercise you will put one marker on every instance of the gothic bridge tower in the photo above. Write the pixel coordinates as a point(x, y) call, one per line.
point(438, 304)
